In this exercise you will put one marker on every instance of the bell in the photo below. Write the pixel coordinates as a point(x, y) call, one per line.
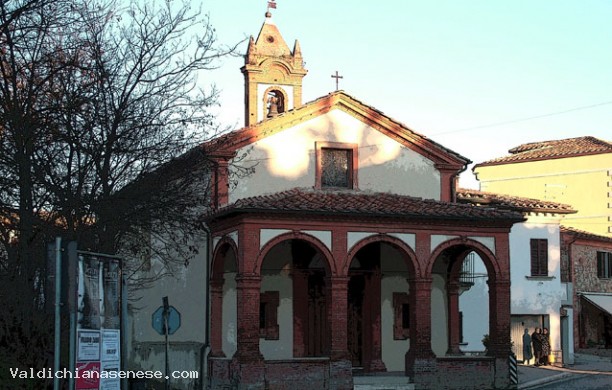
point(273, 108)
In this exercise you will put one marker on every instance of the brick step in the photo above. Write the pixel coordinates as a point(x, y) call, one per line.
point(382, 383)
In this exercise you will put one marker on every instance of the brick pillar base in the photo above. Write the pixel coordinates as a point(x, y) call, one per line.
point(423, 372)
point(502, 374)
point(340, 375)
point(248, 375)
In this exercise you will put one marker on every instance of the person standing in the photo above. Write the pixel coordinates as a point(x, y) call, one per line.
point(526, 347)
point(545, 347)
point(536, 341)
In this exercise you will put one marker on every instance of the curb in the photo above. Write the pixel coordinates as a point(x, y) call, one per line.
point(547, 380)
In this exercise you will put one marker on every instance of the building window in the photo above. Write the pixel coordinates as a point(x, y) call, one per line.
point(539, 257)
point(336, 165)
point(604, 265)
point(268, 315)
point(401, 314)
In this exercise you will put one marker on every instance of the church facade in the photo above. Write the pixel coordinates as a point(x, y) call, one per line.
point(338, 244)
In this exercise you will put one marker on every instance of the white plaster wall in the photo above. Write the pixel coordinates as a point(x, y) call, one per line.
point(287, 160)
point(230, 329)
point(537, 296)
point(283, 347)
point(185, 291)
point(393, 351)
point(439, 316)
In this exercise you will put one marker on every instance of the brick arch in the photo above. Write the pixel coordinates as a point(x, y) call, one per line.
point(225, 244)
point(488, 257)
point(275, 64)
point(284, 98)
point(411, 263)
point(315, 242)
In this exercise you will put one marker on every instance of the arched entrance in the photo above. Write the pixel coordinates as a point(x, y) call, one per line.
point(294, 315)
point(452, 274)
point(223, 312)
point(378, 308)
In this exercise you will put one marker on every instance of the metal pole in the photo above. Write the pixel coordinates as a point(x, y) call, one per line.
point(166, 314)
point(58, 301)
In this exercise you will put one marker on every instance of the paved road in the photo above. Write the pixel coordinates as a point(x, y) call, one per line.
point(580, 382)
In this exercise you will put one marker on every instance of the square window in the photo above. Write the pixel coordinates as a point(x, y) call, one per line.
point(335, 170)
point(336, 165)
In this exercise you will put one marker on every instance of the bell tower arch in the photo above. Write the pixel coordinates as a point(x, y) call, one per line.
point(272, 74)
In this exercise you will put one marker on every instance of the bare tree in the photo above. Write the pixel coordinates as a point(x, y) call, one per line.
point(102, 110)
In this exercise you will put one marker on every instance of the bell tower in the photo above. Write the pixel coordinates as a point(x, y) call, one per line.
point(272, 74)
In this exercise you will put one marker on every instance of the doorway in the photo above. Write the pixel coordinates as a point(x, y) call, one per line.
point(316, 332)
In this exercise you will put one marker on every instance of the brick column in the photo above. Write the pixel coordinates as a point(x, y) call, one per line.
point(420, 357)
point(247, 369)
point(216, 318)
point(499, 318)
point(454, 336)
point(248, 291)
point(338, 302)
point(341, 376)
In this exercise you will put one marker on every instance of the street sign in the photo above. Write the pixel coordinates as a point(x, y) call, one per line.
point(174, 320)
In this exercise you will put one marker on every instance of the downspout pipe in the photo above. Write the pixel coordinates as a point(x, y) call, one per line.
point(206, 345)
point(58, 302)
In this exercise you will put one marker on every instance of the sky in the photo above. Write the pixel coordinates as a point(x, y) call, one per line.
point(477, 76)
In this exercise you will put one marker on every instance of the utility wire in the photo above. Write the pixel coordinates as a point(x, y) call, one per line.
point(524, 119)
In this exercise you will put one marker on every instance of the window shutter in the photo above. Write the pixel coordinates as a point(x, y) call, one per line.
point(543, 256)
point(539, 257)
point(534, 257)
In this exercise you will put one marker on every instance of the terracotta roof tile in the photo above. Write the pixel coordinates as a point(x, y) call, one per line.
point(359, 203)
point(584, 234)
point(511, 202)
point(545, 150)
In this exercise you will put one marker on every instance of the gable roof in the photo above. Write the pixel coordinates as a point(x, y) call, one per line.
point(237, 139)
point(547, 150)
point(581, 234)
point(362, 204)
point(509, 202)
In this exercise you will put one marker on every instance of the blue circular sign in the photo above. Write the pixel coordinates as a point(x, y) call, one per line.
point(174, 320)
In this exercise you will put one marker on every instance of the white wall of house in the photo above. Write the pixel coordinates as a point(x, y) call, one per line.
point(287, 160)
point(537, 295)
point(186, 292)
point(530, 296)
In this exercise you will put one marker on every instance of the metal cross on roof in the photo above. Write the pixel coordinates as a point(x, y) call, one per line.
point(337, 76)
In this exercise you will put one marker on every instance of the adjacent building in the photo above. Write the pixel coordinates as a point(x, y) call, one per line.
point(574, 171)
point(540, 297)
point(588, 259)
